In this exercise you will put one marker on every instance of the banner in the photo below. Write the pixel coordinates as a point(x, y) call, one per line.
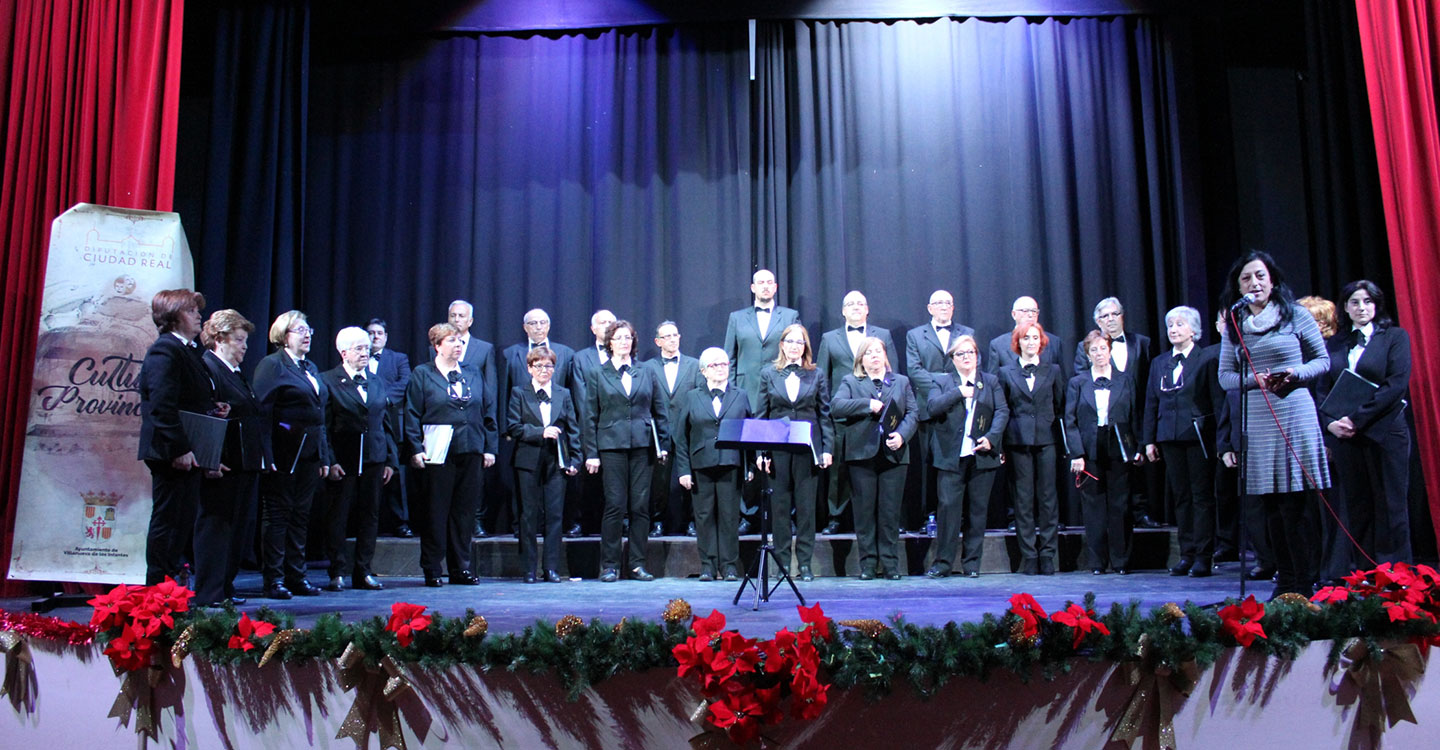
point(84, 504)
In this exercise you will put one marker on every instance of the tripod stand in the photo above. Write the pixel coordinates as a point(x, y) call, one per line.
point(777, 435)
point(758, 574)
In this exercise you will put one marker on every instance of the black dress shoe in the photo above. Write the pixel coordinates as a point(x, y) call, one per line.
point(530, 578)
point(892, 576)
point(972, 574)
point(639, 573)
point(404, 531)
point(657, 530)
point(867, 575)
point(1097, 571)
point(937, 571)
point(464, 578)
point(706, 576)
point(731, 575)
point(1261, 573)
point(238, 601)
point(1123, 571)
point(573, 532)
point(743, 528)
point(609, 576)
point(831, 528)
point(434, 581)
point(302, 587)
point(277, 590)
point(690, 529)
point(552, 577)
point(805, 574)
point(1183, 567)
point(368, 582)
point(336, 583)
point(1047, 568)
point(1144, 521)
point(1202, 569)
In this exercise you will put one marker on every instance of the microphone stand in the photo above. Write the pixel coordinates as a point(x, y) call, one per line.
point(1244, 446)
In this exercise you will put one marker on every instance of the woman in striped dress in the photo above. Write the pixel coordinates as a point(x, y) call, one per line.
point(1285, 350)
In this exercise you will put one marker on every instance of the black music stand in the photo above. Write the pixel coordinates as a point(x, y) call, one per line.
point(749, 435)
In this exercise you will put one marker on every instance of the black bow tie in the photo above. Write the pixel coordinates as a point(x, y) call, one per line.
point(624, 369)
point(307, 366)
point(1118, 339)
point(878, 383)
point(792, 369)
point(857, 329)
point(759, 309)
point(969, 384)
point(672, 360)
point(1179, 359)
point(534, 345)
point(359, 379)
point(1029, 370)
point(1102, 384)
point(453, 376)
point(544, 396)
point(1358, 338)
point(716, 393)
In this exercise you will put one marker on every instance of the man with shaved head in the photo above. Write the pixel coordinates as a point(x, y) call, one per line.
point(1024, 310)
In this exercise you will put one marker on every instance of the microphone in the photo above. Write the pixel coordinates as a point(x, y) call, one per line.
point(1248, 299)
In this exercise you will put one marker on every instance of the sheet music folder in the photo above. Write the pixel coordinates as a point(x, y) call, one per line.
point(1351, 391)
point(764, 434)
point(207, 437)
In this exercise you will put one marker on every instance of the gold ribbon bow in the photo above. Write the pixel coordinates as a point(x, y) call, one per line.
point(376, 689)
point(137, 695)
point(19, 671)
point(1382, 682)
point(1158, 689)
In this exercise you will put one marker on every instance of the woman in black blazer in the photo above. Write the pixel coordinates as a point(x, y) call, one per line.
point(540, 418)
point(446, 396)
point(1371, 443)
point(1182, 400)
point(226, 521)
point(172, 379)
point(711, 474)
point(1102, 421)
point(623, 432)
point(292, 397)
point(968, 414)
point(1036, 394)
point(797, 475)
point(877, 455)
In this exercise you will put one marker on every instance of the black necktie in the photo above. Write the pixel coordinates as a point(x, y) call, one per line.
point(759, 309)
point(1029, 370)
point(1179, 359)
point(792, 369)
point(307, 366)
point(544, 396)
point(716, 393)
point(1102, 384)
point(672, 360)
point(857, 329)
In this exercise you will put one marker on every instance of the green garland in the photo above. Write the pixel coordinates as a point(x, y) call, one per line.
point(925, 657)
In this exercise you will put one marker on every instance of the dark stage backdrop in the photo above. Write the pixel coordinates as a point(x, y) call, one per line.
point(641, 170)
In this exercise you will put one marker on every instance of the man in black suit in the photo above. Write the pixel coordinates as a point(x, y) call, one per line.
point(480, 355)
point(925, 347)
point(393, 367)
point(586, 361)
point(363, 457)
point(1024, 310)
point(677, 374)
point(837, 359)
point(513, 372)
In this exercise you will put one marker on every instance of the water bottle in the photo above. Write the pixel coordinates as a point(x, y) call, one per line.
point(930, 526)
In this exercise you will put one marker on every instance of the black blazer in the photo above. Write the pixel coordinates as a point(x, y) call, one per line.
point(172, 379)
point(860, 429)
point(1034, 415)
point(514, 373)
point(394, 368)
point(295, 410)
point(358, 428)
point(696, 426)
point(1186, 414)
point(525, 425)
point(836, 359)
point(428, 401)
point(749, 352)
point(1385, 362)
point(247, 442)
point(1001, 354)
point(1138, 356)
point(480, 354)
point(947, 420)
point(1082, 417)
point(614, 421)
point(924, 359)
point(812, 404)
point(687, 378)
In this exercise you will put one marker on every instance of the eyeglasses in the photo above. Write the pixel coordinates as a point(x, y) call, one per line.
point(798, 342)
point(717, 365)
point(536, 323)
point(943, 303)
point(669, 336)
point(360, 348)
point(626, 337)
point(1027, 310)
point(545, 366)
point(854, 303)
point(965, 353)
point(302, 331)
point(1106, 315)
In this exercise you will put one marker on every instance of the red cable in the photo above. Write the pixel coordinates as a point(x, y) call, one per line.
point(1265, 393)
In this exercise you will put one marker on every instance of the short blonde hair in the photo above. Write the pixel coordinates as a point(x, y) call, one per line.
point(864, 347)
point(282, 324)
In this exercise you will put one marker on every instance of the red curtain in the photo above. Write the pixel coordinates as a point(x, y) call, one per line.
point(91, 94)
point(1398, 39)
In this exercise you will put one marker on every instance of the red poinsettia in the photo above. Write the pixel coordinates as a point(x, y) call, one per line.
point(135, 616)
point(130, 650)
point(1082, 620)
point(1029, 611)
point(111, 608)
point(247, 631)
point(1331, 595)
point(1242, 621)
point(816, 620)
point(406, 620)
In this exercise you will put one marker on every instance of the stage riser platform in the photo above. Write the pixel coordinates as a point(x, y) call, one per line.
point(678, 556)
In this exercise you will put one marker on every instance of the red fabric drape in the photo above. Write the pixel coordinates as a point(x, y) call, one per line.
point(1398, 39)
point(91, 94)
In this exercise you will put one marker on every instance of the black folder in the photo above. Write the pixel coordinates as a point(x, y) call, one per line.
point(244, 444)
point(206, 435)
point(1347, 396)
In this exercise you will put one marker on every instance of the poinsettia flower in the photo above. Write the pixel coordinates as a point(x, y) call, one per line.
point(246, 630)
point(1402, 611)
point(1242, 621)
point(1331, 595)
point(745, 710)
point(692, 655)
point(708, 626)
point(1029, 611)
point(111, 608)
point(816, 619)
point(130, 650)
point(1082, 620)
point(406, 620)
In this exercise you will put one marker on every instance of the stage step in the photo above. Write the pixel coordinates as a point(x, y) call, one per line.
point(677, 556)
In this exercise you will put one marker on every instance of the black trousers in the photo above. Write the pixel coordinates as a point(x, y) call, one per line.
point(625, 475)
point(498, 509)
point(1037, 511)
point(795, 483)
point(921, 486)
point(877, 486)
point(669, 502)
point(716, 500)
point(964, 503)
point(1191, 478)
point(176, 494)
point(225, 503)
point(1249, 509)
point(357, 497)
point(1374, 478)
point(286, 499)
point(542, 492)
point(450, 492)
point(1294, 536)
point(837, 497)
point(395, 500)
point(1106, 507)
